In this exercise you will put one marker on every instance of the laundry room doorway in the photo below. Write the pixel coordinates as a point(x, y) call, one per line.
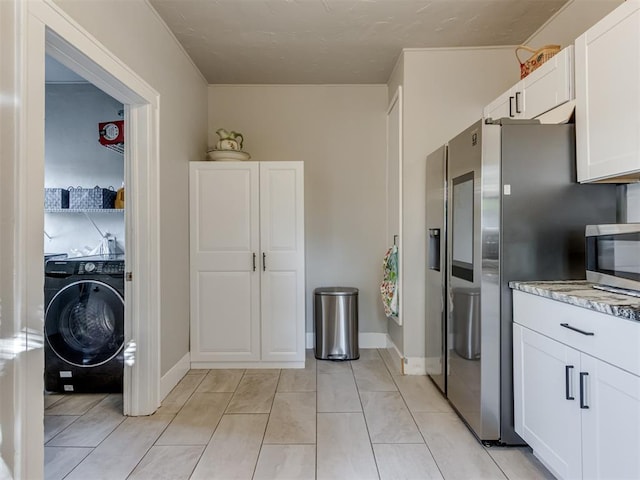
point(47, 31)
point(84, 240)
point(140, 220)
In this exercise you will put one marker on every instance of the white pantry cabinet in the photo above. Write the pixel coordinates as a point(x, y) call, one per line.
point(608, 97)
point(247, 264)
point(542, 90)
point(579, 413)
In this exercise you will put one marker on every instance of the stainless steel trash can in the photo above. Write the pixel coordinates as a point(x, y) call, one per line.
point(336, 323)
point(466, 322)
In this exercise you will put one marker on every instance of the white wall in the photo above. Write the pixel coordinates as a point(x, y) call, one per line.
point(444, 92)
point(396, 80)
point(339, 133)
point(74, 157)
point(136, 35)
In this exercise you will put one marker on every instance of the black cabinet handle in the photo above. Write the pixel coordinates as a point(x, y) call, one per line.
point(254, 262)
point(566, 325)
point(567, 383)
point(511, 106)
point(583, 394)
point(518, 103)
point(264, 262)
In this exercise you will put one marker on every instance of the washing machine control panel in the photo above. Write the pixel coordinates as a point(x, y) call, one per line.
point(96, 265)
point(105, 268)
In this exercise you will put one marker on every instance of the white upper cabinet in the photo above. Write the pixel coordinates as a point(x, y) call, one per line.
point(608, 97)
point(550, 85)
point(247, 264)
point(542, 90)
point(505, 105)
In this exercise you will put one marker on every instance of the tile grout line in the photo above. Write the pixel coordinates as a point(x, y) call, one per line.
point(366, 424)
point(315, 470)
point(266, 425)
point(94, 448)
point(426, 444)
point(497, 464)
point(78, 417)
point(153, 444)
point(195, 465)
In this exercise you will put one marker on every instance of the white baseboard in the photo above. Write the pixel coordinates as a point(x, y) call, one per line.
point(415, 366)
point(365, 340)
point(174, 375)
point(393, 347)
point(410, 365)
point(258, 364)
point(434, 365)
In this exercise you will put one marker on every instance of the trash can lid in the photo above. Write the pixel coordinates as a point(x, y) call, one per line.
point(336, 291)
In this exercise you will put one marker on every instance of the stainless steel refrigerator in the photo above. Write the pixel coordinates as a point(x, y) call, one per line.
point(502, 204)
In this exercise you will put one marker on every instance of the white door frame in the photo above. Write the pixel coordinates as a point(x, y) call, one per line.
point(49, 30)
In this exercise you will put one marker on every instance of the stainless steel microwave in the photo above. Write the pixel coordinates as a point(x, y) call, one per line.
point(613, 255)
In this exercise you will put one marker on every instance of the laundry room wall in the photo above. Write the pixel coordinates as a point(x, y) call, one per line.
point(74, 157)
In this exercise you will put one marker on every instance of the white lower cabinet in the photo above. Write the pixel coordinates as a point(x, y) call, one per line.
point(544, 417)
point(611, 424)
point(580, 414)
point(247, 264)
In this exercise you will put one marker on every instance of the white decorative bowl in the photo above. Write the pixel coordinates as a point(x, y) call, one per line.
point(228, 155)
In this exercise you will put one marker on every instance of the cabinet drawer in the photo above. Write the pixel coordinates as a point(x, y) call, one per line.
point(611, 339)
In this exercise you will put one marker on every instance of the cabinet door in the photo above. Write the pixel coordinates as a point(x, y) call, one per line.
point(505, 105)
point(225, 299)
point(607, 69)
point(545, 376)
point(550, 85)
point(611, 424)
point(282, 261)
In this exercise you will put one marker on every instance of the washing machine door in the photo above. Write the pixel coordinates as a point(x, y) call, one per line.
point(84, 323)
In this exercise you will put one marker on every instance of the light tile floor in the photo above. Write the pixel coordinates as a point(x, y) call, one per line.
point(348, 420)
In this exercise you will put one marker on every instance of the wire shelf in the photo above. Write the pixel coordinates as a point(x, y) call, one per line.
point(84, 210)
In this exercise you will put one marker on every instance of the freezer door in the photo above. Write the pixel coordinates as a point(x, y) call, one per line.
point(436, 262)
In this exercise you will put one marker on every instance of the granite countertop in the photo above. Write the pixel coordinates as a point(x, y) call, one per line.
point(582, 294)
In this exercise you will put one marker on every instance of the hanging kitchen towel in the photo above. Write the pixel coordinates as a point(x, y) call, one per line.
point(389, 285)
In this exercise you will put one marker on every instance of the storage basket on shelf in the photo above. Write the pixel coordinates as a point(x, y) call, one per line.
point(91, 198)
point(55, 198)
point(539, 56)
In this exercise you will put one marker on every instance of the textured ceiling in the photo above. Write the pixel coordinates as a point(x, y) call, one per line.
point(337, 41)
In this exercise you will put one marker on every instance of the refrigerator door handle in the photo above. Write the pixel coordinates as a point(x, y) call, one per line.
point(434, 249)
point(511, 106)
